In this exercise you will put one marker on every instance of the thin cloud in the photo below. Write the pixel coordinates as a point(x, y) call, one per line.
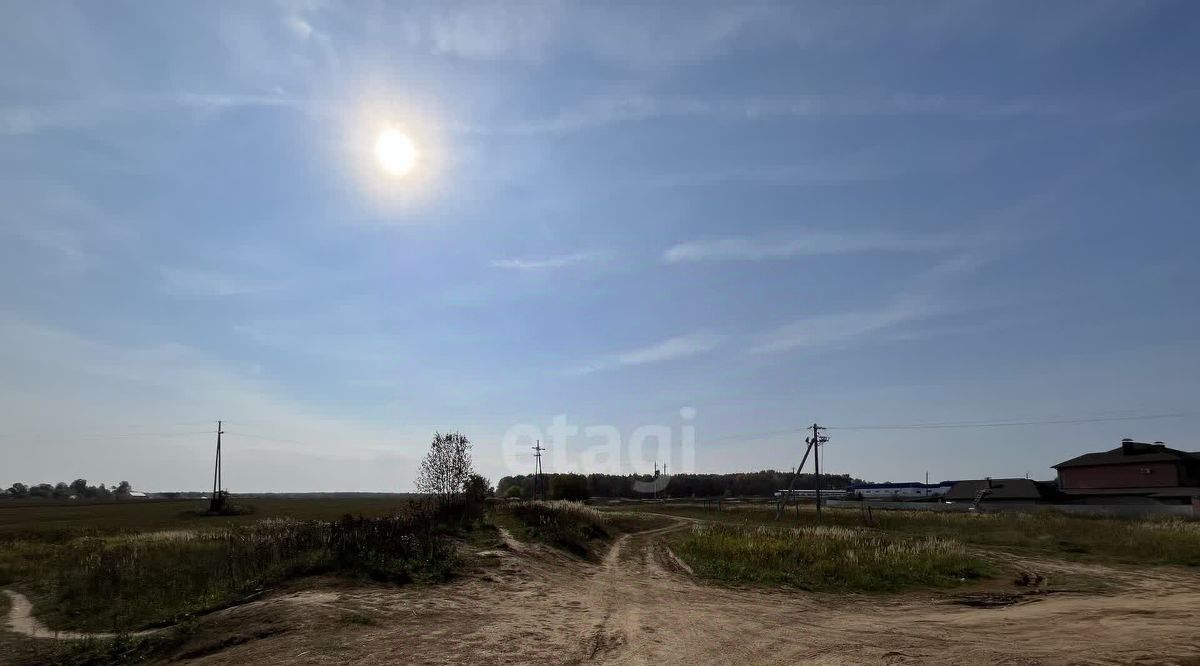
point(605, 111)
point(545, 263)
point(19, 120)
point(671, 349)
point(923, 299)
point(199, 283)
point(807, 244)
point(841, 328)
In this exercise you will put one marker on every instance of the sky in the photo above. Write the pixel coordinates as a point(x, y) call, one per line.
point(718, 221)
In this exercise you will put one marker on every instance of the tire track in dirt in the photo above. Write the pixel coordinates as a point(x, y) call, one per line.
point(22, 621)
point(534, 604)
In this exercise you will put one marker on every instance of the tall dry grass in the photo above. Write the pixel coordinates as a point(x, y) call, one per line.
point(1169, 541)
point(824, 557)
point(133, 581)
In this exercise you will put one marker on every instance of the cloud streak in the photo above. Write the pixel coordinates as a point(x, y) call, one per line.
point(545, 263)
point(605, 111)
point(671, 349)
point(31, 119)
point(842, 328)
point(806, 244)
point(922, 299)
point(198, 283)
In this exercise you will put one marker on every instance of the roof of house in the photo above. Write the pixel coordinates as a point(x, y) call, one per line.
point(1130, 453)
point(889, 486)
point(1161, 491)
point(1002, 489)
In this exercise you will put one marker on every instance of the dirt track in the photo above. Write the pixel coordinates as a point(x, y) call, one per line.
point(529, 603)
point(636, 607)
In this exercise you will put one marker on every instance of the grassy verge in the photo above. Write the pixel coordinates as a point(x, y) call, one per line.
point(823, 558)
point(571, 526)
point(1159, 541)
point(134, 581)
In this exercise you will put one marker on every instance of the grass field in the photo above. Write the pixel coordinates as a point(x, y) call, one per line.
point(1158, 542)
point(133, 565)
point(825, 558)
point(146, 515)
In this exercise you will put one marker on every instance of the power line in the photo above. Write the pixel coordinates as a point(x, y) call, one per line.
point(1009, 424)
point(267, 438)
point(998, 423)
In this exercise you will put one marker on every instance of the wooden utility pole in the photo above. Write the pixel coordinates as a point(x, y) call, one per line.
point(539, 491)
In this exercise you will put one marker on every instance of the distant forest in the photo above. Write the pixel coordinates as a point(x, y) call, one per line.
point(78, 489)
point(578, 486)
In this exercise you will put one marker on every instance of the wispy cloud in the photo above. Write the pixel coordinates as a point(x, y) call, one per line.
point(201, 283)
point(546, 263)
point(678, 347)
point(805, 244)
point(30, 119)
point(605, 111)
point(921, 299)
point(67, 387)
point(841, 328)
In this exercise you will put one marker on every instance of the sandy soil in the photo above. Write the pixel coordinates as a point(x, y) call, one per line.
point(527, 603)
point(21, 621)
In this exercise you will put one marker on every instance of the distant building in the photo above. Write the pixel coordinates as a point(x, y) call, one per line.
point(1135, 472)
point(810, 493)
point(1007, 491)
point(898, 491)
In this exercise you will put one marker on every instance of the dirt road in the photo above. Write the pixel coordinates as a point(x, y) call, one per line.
point(637, 607)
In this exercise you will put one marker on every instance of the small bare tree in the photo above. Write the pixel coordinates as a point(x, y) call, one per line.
point(446, 468)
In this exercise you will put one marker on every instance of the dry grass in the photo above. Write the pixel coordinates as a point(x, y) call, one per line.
point(1158, 541)
point(133, 581)
point(824, 557)
point(572, 526)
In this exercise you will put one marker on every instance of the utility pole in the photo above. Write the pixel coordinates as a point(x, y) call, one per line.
point(655, 479)
point(217, 502)
point(538, 488)
point(815, 443)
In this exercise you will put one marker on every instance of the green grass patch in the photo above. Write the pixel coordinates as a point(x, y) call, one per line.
point(825, 558)
point(1171, 541)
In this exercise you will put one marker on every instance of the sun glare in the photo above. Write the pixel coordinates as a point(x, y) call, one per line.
point(396, 152)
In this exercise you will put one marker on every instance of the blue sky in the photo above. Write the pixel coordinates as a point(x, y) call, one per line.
point(774, 214)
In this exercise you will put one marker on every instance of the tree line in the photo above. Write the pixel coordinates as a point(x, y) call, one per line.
point(79, 489)
point(740, 484)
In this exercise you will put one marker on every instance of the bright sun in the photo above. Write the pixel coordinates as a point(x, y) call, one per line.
point(397, 153)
